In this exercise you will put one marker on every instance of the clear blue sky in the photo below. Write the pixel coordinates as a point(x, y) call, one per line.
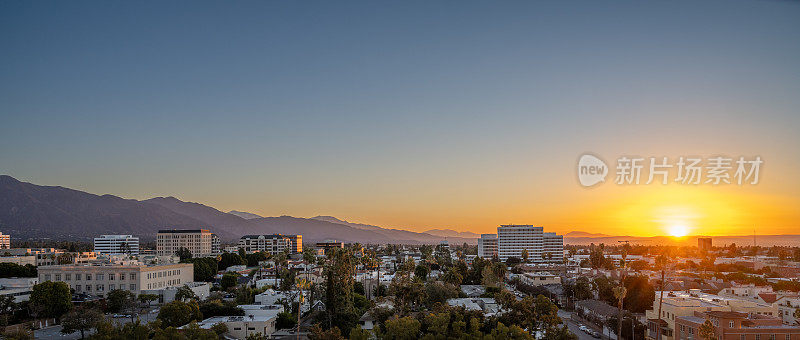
point(411, 113)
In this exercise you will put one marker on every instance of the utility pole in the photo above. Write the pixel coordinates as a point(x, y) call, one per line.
point(622, 291)
point(661, 298)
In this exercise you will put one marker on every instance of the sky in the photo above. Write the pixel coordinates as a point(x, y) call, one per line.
point(412, 114)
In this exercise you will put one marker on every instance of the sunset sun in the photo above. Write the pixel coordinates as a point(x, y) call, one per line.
point(678, 230)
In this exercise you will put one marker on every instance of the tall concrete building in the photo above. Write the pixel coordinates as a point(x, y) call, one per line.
point(704, 243)
point(487, 246)
point(541, 247)
point(5, 241)
point(116, 244)
point(197, 241)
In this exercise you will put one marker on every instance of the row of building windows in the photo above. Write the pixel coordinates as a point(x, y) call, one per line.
point(102, 288)
point(163, 273)
point(88, 277)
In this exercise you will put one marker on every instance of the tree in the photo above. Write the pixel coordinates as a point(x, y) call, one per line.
point(50, 299)
point(707, 331)
point(213, 308)
point(525, 255)
point(147, 298)
point(340, 310)
point(120, 301)
point(184, 253)
point(205, 268)
point(285, 320)
point(513, 261)
point(583, 288)
point(230, 259)
point(178, 313)
point(421, 272)
point(80, 319)
point(8, 269)
point(452, 277)
point(641, 294)
point(185, 293)
point(402, 329)
point(317, 333)
point(229, 280)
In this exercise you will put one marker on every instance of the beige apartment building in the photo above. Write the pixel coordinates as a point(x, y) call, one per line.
point(678, 304)
point(198, 241)
point(99, 279)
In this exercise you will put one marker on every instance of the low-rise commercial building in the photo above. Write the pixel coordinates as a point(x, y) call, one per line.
point(735, 326)
point(99, 279)
point(18, 287)
point(329, 244)
point(681, 303)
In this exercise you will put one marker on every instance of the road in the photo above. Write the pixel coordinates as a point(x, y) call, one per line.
point(573, 327)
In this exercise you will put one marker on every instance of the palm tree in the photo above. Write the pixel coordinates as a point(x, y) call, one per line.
point(301, 285)
point(619, 293)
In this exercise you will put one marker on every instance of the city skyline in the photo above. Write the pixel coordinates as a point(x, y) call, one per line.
point(427, 116)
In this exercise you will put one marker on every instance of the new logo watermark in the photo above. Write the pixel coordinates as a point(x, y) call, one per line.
point(591, 170)
point(716, 170)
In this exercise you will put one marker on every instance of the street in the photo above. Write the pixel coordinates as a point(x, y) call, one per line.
point(573, 327)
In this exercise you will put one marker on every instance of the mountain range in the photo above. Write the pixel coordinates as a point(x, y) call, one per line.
point(29, 211)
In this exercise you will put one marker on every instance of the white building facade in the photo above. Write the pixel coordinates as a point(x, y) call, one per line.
point(116, 244)
point(487, 246)
point(541, 247)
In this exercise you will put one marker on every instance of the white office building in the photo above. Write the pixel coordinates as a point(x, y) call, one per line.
point(116, 245)
point(541, 247)
point(487, 246)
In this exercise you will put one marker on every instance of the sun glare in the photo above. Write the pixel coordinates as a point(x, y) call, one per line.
point(678, 230)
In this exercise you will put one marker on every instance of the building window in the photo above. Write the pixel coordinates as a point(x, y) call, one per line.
point(133, 287)
point(88, 277)
point(100, 277)
point(67, 277)
point(121, 276)
point(88, 288)
point(47, 277)
point(58, 277)
point(100, 288)
point(133, 276)
point(730, 324)
point(111, 287)
point(758, 336)
point(111, 276)
point(77, 288)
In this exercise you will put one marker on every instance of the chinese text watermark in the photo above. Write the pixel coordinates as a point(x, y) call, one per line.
point(683, 170)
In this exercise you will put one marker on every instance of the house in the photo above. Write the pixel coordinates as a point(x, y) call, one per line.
point(367, 322)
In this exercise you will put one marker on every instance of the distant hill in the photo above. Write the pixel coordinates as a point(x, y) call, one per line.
point(33, 211)
point(29, 211)
point(244, 215)
point(762, 240)
point(399, 235)
point(452, 233)
point(584, 234)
